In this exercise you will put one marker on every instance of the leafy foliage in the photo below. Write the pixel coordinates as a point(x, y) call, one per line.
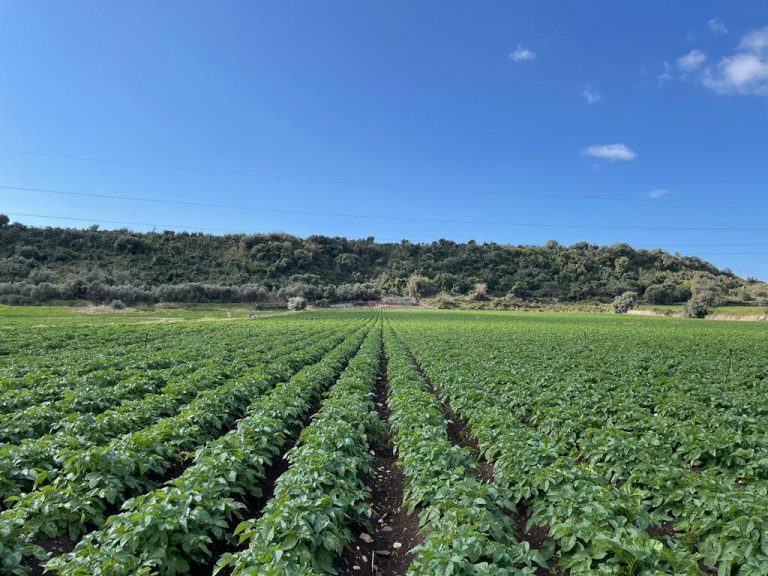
point(619, 445)
point(90, 482)
point(624, 302)
point(38, 265)
point(306, 524)
point(194, 510)
point(626, 446)
point(466, 529)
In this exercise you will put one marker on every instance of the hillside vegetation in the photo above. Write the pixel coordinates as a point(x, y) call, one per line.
point(48, 264)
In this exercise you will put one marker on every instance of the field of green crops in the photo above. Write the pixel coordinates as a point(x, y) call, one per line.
point(383, 442)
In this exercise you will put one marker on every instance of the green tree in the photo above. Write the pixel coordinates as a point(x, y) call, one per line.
point(420, 286)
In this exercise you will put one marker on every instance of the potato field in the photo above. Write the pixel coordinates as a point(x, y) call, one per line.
point(384, 442)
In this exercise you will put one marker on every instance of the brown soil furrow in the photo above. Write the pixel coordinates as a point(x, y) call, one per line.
point(395, 531)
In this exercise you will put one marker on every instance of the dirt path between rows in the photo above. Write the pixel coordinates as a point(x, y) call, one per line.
point(459, 435)
point(385, 552)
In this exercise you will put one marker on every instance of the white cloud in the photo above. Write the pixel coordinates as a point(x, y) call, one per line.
point(609, 152)
point(739, 74)
point(657, 193)
point(692, 61)
point(746, 71)
point(591, 95)
point(756, 41)
point(522, 54)
point(717, 26)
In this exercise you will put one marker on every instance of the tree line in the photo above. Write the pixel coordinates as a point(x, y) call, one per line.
point(53, 264)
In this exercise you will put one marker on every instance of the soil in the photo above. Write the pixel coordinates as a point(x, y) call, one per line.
point(663, 530)
point(391, 521)
point(713, 316)
point(53, 547)
point(536, 536)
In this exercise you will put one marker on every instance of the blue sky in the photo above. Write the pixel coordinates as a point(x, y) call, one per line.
point(513, 122)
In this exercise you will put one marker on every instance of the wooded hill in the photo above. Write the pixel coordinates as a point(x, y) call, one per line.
point(45, 264)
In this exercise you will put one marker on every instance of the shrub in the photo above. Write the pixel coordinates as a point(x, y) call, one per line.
point(357, 291)
point(666, 293)
point(624, 302)
point(420, 286)
point(131, 244)
point(696, 308)
point(117, 305)
point(254, 293)
point(302, 290)
point(45, 291)
point(29, 252)
point(297, 303)
point(704, 289)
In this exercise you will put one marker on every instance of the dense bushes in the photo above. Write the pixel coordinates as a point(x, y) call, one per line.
point(102, 265)
point(100, 292)
point(420, 286)
point(666, 293)
point(357, 291)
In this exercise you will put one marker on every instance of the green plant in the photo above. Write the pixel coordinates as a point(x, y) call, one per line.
point(624, 302)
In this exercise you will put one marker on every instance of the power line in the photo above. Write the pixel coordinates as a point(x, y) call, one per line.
point(393, 218)
point(342, 182)
point(127, 223)
point(706, 245)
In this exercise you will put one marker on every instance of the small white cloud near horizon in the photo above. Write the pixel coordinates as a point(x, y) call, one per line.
point(522, 54)
point(692, 61)
point(609, 152)
point(717, 26)
point(591, 95)
point(746, 71)
point(658, 193)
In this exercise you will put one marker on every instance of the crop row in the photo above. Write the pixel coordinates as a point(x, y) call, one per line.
point(96, 481)
point(107, 365)
point(594, 525)
point(467, 530)
point(586, 432)
point(702, 491)
point(102, 392)
point(307, 523)
point(22, 464)
point(36, 357)
point(173, 528)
